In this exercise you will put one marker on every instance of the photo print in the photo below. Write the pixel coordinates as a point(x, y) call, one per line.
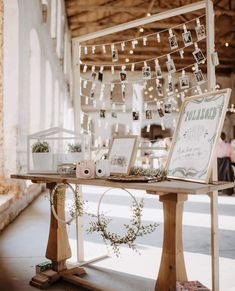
point(123, 76)
point(173, 42)
point(135, 115)
point(148, 114)
point(114, 55)
point(114, 114)
point(198, 55)
point(187, 38)
point(199, 76)
point(167, 108)
point(184, 82)
point(102, 113)
point(158, 71)
point(159, 88)
point(170, 88)
point(160, 112)
point(146, 71)
point(170, 66)
point(92, 92)
point(200, 31)
point(93, 75)
point(100, 76)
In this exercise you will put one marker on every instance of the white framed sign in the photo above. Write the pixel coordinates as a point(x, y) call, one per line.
point(122, 154)
point(196, 135)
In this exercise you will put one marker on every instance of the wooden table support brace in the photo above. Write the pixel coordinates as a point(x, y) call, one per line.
point(172, 267)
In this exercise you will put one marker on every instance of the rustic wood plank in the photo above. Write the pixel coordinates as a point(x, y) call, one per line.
point(172, 186)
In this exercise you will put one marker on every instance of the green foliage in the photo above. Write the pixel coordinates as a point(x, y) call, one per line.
point(41, 147)
point(133, 230)
point(74, 147)
point(160, 174)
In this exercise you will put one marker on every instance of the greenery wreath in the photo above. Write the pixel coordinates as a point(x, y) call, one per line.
point(133, 230)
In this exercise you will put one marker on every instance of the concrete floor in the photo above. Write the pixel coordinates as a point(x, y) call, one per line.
point(23, 244)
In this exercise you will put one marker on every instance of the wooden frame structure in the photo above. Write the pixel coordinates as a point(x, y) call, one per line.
point(181, 165)
point(211, 82)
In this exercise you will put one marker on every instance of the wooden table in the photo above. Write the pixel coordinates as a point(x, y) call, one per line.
point(172, 194)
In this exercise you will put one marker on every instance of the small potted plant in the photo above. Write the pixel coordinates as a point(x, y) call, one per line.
point(75, 152)
point(42, 156)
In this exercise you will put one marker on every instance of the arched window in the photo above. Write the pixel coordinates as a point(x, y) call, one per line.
point(35, 82)
point(49, 96)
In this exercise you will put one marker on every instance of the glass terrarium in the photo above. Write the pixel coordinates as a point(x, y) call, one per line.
point(49, 148)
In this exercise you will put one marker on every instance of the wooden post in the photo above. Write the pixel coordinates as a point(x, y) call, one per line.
point(172, 267)
point(58, 249)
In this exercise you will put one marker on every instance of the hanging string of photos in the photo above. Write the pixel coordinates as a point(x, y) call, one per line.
point(165, 96)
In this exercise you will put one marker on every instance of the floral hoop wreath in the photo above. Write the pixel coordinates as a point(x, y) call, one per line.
point(114, 238)
point(74, 212)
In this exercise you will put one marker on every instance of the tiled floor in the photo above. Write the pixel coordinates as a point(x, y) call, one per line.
point(23, 244)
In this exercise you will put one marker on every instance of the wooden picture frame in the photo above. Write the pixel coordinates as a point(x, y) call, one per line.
point(122, 154)
point(198, 129)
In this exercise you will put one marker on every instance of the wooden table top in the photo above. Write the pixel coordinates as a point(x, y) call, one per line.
point(160, 188)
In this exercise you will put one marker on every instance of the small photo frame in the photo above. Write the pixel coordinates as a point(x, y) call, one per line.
point(198, 55)
point(123, 76)
point(170, 66)
point(187, 38)
point(160, 112)
point(159, 89)
point(173, 42)
point(167, 108)
point(146, 71)
point(114, 114)
point(122, 154)
point(148, 114)
point(100, 76)
point(184, 82)
point(102, 113)
point(200, 31)
point(199, 76)
point(135, 115)
point(114, 55)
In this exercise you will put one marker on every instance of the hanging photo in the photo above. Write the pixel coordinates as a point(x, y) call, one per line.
point(148, 114)
point(92, 92)
point(114, 55)
point(102, 113)
point(198, 55)
point(173, 42)
point(170, 88)
point(146, 71)
point(114, 114)
point(123, 76)
point(93, 75)
point(158, 71)
point(160, 112)
point(168, 108)
point(135, 115)
point(170, 66)
point(199, 76)
point(200, 31)
point(123, 95)
point(187, 38)
point(184, 82)
point(100, 76)
point(159, 88)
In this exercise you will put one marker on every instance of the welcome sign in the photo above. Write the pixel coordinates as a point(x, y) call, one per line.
point(197, 133)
